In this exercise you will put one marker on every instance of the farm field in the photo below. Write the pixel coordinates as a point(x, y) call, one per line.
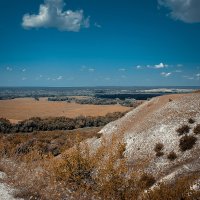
point(24, 108)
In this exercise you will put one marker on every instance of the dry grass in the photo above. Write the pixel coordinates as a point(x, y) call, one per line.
point(178, 190)
point(79, 173)
point(25, 108)
point(46, 142)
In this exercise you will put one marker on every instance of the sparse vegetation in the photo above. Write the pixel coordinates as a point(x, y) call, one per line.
point(197, 129)
point(52, 159)
point(147, 181)
point(78, 174)
point(172, 156)
point(158, 149)
point(187, 142)
point(57, 123)
point(191, 121)
point(183, 129)
point(179, 190)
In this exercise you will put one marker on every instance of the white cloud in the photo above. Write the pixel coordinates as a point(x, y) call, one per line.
point(179, 65)
point(85, 68)
point(97, 25)
point(39, 77)
point(52, 15)
point(178, 71)
point(91, 69)
point(122, 69)
point(165, 74)
point(55, 79)
point(185, 10)
point(59, 78)
point(198, 76)
point(159, 66)
point(139, 67)
point(189, 77)
point(24, 70)
point(9, 69)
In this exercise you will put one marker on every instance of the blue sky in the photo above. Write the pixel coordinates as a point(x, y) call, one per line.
point(99, 43)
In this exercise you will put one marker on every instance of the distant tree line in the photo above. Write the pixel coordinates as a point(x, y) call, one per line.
point(96, 101)
point(57, 123)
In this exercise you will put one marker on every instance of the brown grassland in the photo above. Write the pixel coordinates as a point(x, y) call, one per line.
point(61, 164)
point(24, 108)
point(37, 173)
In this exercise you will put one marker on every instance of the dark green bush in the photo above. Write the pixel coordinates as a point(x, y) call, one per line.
point(191, 121)
point(183, 129)
point(197, 129)
point(172, 156)
point(159, 147)
point(147, 181)
point(187, 142)
point(57, 123)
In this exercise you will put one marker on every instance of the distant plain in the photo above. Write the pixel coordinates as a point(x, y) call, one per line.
point(24, 108)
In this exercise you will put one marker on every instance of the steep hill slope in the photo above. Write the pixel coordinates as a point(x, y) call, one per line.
point(155, 123)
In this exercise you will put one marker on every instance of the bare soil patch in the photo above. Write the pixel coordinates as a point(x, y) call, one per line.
point(23, 108)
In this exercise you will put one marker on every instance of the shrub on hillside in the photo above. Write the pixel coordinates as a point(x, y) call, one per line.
point(197, 129)
point(191, 121)
point(187, 142)
point(158, 149)
point(172, 156)
point(183, 129)
point(159, 154)
point(5, 125)
point(146, 181)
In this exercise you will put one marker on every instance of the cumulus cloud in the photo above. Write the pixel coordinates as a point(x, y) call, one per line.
point(59, 78)
point(165, 74)
point(161, 65)
point(185, 10)
point(9, 69)
point(52, 15)
point(139, 67)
